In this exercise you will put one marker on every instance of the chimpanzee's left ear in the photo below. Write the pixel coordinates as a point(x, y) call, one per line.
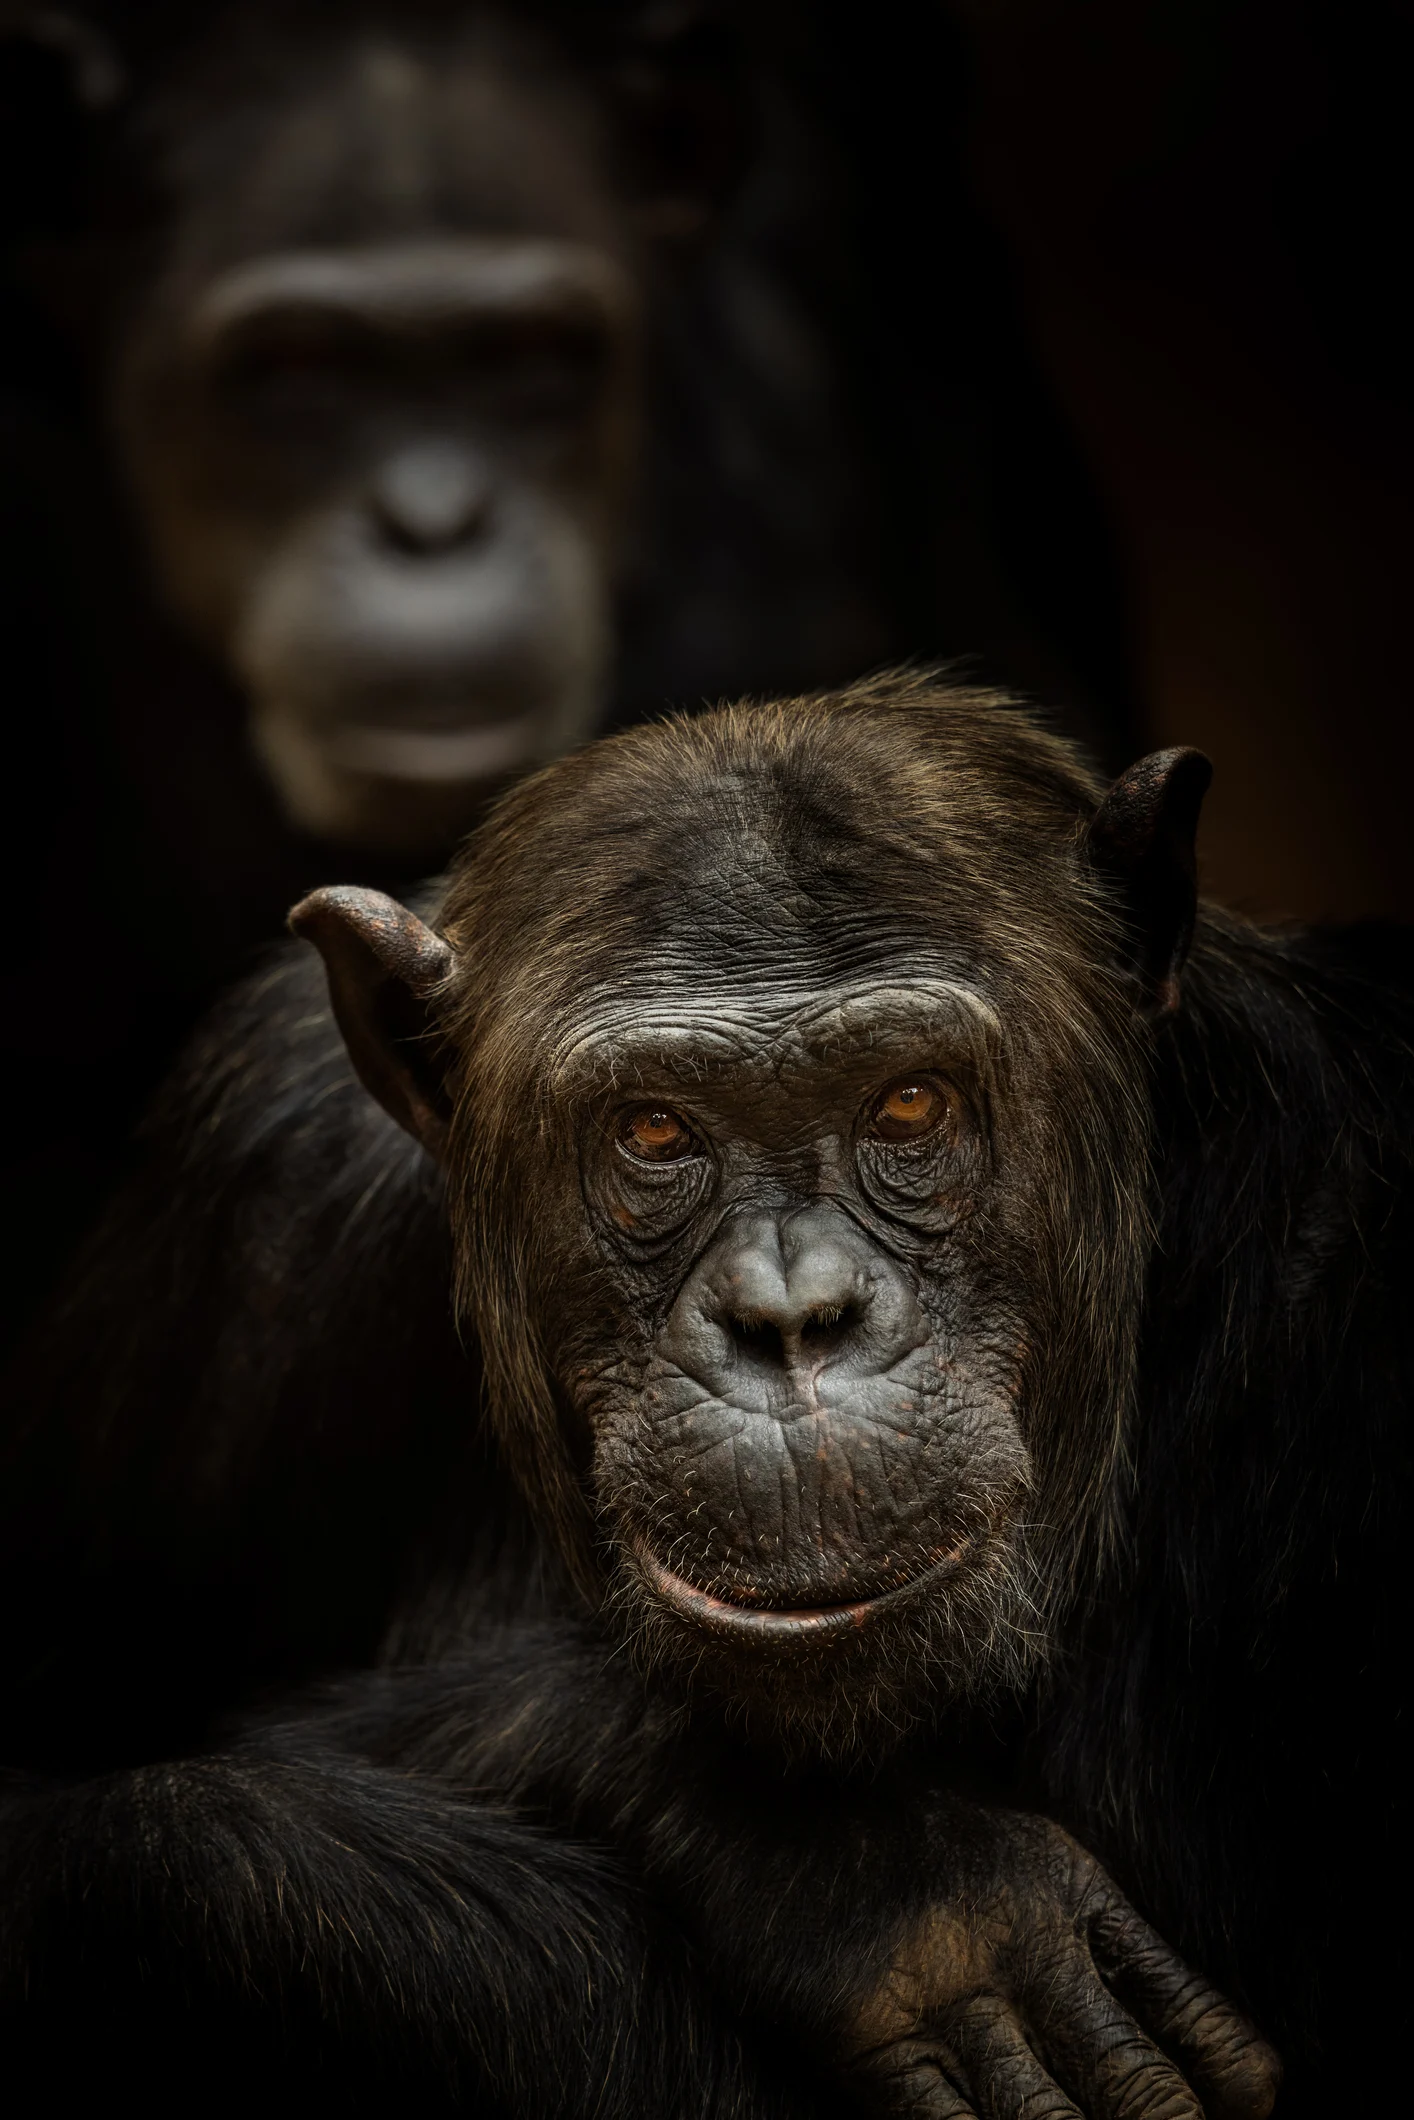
point(1141, 840)
point(384, 965)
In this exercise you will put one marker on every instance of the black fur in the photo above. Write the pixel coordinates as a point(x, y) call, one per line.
point(1230, 1732)
point(310, 1925)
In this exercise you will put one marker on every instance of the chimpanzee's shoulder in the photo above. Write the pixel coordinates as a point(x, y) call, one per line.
point(1358, 980)
point(1354, 979)
point(1374, 957)
point(1289, 1041)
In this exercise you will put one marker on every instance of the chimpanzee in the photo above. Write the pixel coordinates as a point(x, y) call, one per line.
point(854, 1336)
point(368, 353)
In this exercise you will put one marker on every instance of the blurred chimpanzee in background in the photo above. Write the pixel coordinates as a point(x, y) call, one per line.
point(394, 395)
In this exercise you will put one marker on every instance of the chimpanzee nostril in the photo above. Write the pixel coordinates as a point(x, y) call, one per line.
point(793, 1333)
point(830, 1325)
point(757, 1338)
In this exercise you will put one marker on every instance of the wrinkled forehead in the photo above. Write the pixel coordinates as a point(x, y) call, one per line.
point(760, 882)
point(760, 920)
point(716, 1033)
point(739, 949)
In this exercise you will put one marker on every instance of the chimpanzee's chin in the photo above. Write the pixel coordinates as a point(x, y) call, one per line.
point(841, 1682)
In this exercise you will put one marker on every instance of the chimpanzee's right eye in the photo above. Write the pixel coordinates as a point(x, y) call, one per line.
point(655, 1134)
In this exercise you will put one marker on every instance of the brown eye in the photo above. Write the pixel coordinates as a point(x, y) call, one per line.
point(655, 1134)
point(908, 1109)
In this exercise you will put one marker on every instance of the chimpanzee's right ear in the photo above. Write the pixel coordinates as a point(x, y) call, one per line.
point(384, 965)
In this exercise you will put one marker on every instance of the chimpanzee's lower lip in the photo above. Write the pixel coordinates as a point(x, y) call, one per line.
point(476, 751)
point(786, 1624)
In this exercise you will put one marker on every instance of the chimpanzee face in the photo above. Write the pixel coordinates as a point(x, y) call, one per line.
point(808, 1412)
point(785, 1190)
point(378, 413)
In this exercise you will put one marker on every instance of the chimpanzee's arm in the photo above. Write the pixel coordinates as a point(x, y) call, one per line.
point(966, 1959)
point(299, 1915)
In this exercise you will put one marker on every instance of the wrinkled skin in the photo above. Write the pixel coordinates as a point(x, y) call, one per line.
point(823, 1427)
point(824, 1419)
point(1039, 1991)
point(810, 1334)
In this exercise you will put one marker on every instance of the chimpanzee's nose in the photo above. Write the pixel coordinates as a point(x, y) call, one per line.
point(786, 1310)
point(430, 496)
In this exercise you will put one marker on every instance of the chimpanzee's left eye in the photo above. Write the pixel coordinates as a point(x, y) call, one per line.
point(909, 1108)
point(655, 1134)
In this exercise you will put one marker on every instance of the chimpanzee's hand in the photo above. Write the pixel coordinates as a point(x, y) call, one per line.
point(1039, 1994)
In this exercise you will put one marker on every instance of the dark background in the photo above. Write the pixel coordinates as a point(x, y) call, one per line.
point(1205, 211)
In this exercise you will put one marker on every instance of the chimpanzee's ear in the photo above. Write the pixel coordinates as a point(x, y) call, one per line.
point(384, 965)
point(1141, 840)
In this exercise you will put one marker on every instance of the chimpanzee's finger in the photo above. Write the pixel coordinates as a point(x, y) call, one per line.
point(910, 2080)
point(1222, 2054)
point(1109, 2066)
point(999, 2066)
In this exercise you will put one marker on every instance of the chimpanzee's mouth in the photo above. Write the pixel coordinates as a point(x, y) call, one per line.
point(471, 750)
point(788, 1624)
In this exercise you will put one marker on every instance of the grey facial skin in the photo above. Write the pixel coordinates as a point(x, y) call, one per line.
point(818, 1427)
point(378, 417)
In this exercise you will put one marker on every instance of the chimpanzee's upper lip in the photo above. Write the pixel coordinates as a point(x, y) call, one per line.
point(790, 1623)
